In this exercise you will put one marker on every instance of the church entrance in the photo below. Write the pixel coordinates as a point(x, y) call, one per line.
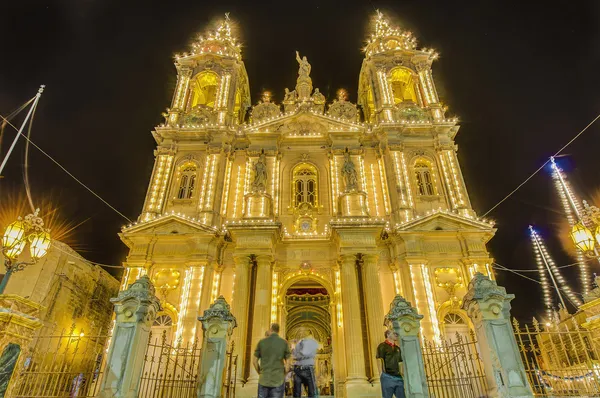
point(307, 306)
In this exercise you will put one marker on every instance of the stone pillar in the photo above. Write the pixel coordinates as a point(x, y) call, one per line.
point(18, 322)
point(488, 306)
point(261, 315)
point(240, 310)
point(135, 310)
point(352, 328)
point(217, 325)
point(374, 304)
point(405, 321)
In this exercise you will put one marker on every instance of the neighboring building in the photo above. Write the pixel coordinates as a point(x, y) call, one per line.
point(311, 215)
point(75, 295)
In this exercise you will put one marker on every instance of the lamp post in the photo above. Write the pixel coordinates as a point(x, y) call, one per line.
point(16, 236)
point(582, 235)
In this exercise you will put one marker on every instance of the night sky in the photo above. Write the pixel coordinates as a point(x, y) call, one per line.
point(523, 79)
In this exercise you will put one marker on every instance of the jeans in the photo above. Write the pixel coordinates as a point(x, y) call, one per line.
point(392, 386)
point(305, 375)
point(271, 392)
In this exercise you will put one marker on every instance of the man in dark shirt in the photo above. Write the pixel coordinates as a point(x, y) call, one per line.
point(273, 353)
point(389, 362)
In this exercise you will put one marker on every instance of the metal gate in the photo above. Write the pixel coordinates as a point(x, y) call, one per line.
point(454, 368)
point(560, 360)
point(68, 364)
point(170, 371)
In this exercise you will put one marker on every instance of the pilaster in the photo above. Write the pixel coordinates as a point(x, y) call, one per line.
point(374, 305)
point(262, 305)
point(240, 309)
point(355, 360)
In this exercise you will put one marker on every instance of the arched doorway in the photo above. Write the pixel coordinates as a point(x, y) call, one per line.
point(307, 304)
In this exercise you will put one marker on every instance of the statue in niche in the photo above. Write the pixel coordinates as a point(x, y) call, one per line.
point(289, 96)
point(260, 174)
point(349, 173)
point(304, 68)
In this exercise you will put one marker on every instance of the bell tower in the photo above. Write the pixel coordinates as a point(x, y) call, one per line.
point(395, 80)
point(212, 83)
point(212, 93)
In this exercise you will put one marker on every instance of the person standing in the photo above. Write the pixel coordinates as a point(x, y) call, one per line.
point(271, 363)
point(304, 366)
point(389, 362)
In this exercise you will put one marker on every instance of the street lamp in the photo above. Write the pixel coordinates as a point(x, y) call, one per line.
point(582, 236)
point(29, 230)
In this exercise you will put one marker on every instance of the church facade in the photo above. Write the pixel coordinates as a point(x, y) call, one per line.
point(311, 213)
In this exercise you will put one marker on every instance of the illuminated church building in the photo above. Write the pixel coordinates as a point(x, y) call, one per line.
point(311, 213)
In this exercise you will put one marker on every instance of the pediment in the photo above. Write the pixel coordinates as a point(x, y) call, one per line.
point(445, 222)
point(168, 225)
point(304, 122)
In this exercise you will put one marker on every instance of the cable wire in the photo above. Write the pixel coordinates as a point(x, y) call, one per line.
point(69, 173)
point(541, 167)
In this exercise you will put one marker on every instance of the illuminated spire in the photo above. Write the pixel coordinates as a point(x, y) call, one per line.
point(388, 38)
point(573, 210)
point(220, 42)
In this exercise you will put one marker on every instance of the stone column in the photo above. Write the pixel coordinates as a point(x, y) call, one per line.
point(488, 306)
point(352, 328)
point(262, 305)
point(405, 321)
point(240, 310)
point(135, 310)
point(374, 304)
point(217, 325)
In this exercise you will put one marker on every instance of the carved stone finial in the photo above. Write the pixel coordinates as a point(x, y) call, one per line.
point(219, 309)
point(401, 308)
point(482, 288)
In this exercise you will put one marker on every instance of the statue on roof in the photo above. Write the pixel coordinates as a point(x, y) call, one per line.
point(289, 96)
point(304, 68)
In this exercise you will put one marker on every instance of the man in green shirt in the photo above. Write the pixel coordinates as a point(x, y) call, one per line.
point(273, 353)
point(389, 362)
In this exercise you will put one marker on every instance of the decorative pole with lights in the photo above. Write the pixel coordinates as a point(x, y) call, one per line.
point(545, 261)
point(574, 213)
point(16, 236)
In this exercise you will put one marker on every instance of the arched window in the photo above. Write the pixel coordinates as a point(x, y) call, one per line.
point(403, 85)
point(454, 319)
point(305, 188)
point(187, 181)
point(238, 105)
point(424, 178)
point(205, 88)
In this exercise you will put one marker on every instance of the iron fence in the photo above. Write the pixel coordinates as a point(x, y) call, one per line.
point(560, 360)
point(67, 364)
point(170, 371)
point(454, 368)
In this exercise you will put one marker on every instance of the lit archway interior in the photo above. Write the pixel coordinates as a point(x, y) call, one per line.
point(307, 308)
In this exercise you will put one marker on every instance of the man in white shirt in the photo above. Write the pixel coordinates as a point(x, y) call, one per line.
point(304, 365)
